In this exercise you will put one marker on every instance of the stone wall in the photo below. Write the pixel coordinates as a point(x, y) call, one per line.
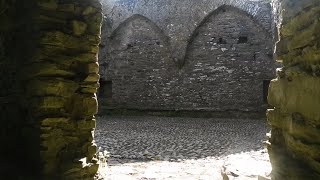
point(49, 79)
point(227, 59)
point(178, 19)
point(295, 93)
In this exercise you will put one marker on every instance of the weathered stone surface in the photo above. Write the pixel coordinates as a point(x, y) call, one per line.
point(86, 124)
point(179, 19)
point(94, 22)
point(79, 27)
point(92, 78)
point(67, 7)
point(64, 41)
point(226, 51)
point(300, 22)
point(47, 49)
point(47, 70)
point(57, 87)
point(296, 92)
point(294, 142)
point(295, 125)
point(48, 4)
point(89, 10)
point(308, 36)
point(93, 68)
point(83, 105)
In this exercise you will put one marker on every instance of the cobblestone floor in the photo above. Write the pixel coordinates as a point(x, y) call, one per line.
point(177, 148)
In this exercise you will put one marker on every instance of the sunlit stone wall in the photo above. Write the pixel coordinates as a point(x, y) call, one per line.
point(294, 144)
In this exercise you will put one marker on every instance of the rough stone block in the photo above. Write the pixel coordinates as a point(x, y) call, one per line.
point(42, 104)
point(79, 28)
point(46, 69)
point(88, 90)
point(54, 87)
point(58, 56)
point(298, 147)
point(61, 123)
point(307, 37)
point(93, 68)
point(300, 22)
point(92, 78)
point(296, 92)
point(92, 150)
point(308, 57)
point(48, 4)
point(66, 8)
point(83, 105)
point(87, 124)
point(89, 10)
point(53, 121)
point(94, 23)
point(65, 41)
point(295, 125)
point(294, 7)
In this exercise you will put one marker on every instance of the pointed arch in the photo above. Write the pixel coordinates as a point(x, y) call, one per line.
point(135, 17)
point(219, 10)
point(139, 63)
point(227, 57)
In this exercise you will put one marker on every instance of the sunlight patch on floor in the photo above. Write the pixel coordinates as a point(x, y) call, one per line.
point(247, 165)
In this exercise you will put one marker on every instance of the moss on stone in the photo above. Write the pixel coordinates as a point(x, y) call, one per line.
point(52, 87)
point(296, 127)
point(308, 36)
point(67, 8)
point(79, 28)
point(302, 149)
point(295, 93)
point(64, 41)
point(89, 10)
point(92, 78)
point(48, 4)
point(82, 105)
point(46, 69)
point(300, 22)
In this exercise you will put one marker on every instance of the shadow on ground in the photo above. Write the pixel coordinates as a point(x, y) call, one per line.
point(131, 139)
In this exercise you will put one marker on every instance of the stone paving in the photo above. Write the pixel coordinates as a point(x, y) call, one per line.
point(179, 148)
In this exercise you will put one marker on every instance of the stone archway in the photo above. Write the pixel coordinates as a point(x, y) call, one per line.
point(51, 103)
point(215, 75)
point(228, 57)
point(138, 65)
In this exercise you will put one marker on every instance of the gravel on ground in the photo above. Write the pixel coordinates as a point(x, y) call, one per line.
point(181, 148)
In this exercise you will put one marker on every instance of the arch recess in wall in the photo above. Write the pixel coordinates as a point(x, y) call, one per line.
point(227, 58)
point(139, 62)
point(242, 38)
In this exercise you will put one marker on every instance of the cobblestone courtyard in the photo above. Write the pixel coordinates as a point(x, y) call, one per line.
point(179, 148)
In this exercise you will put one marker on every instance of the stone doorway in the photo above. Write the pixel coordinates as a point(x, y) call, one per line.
point(225, 59)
